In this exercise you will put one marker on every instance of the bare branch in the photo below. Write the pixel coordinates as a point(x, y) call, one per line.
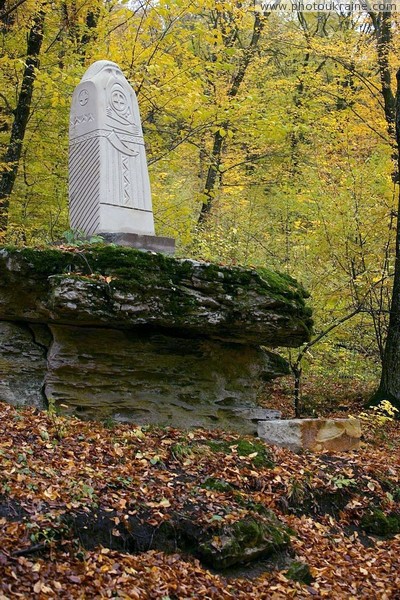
point(6, 102)
point(7, 12)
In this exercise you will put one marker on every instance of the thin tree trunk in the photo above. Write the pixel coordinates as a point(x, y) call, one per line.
point(389, 388)
point(21, 116)
point(296, 367)
point(218, 142)
point(383, 33)
point(212, 176)
point(298, 407)
point(90, 34)
point(382, 23)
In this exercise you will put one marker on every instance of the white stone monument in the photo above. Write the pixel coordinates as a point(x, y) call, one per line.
point(109, 188)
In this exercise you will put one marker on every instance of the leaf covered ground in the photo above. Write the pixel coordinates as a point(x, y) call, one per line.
point(62, 479)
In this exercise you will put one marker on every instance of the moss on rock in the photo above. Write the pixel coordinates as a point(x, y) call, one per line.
point(377, 522)
point(127, 287)
point(134, 266)
point(282, 283)
point(243, 541)
point(299, 571)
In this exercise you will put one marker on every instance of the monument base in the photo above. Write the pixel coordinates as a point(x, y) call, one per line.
point(141, 241)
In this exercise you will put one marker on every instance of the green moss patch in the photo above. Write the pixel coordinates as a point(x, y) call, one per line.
point(245, 540)
point(281, 283)
point(131, 266)
point(219, 485)
point(299, 571)
point(379, 523)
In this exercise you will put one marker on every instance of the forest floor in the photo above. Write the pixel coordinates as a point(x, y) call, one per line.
point(91, 510)
point(326, 396)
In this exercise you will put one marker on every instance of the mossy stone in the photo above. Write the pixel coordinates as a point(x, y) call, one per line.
point(127, 262)
point(243, 541)
point(378, 523)
point(129, 287)
point(299, 571)
point(183, 339)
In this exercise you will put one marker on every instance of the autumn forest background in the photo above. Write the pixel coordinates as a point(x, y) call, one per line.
point(270, 141)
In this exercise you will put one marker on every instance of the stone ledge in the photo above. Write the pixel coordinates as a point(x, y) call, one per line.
point(335, 435)
point(116, 287)
point(155, 243)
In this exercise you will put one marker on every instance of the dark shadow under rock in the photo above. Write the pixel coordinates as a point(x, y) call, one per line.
point(217, 546)
point(11, 509)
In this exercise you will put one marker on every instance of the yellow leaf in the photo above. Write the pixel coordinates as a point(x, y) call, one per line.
point(37, 587)
point(165, 503)
point(252, 455)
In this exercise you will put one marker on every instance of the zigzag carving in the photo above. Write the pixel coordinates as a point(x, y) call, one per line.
point(126, 181)
point(82, 119)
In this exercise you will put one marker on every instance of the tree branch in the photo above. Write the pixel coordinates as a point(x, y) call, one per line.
point(7, 12)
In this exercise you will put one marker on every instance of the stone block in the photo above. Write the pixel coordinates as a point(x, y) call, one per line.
point(146, 377)
point(109, 188)
point(144, 289)
point(144, 337)
point(154, 243)
point(335, 435)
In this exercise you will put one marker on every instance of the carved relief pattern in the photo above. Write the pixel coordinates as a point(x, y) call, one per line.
point(119, 100)
point(121, 138)
point(81, 119)
point(88, 136)
point(126, 181)
point(119, 103)
point(83, 97)
point(84, 174)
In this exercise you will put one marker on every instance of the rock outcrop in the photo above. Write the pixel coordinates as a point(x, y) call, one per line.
point(22, 366)
point(139, 336)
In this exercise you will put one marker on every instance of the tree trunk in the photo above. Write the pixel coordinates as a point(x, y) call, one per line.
point(382, 23)
point(297, 373)
point(21, 116)
point(383, 32)
point(212, 176)
point(218, 142)
point(389, 388)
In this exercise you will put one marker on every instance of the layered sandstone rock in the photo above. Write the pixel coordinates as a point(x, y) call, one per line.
point(140, 336)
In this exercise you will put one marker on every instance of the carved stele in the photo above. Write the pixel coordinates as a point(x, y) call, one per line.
point(109, 188)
